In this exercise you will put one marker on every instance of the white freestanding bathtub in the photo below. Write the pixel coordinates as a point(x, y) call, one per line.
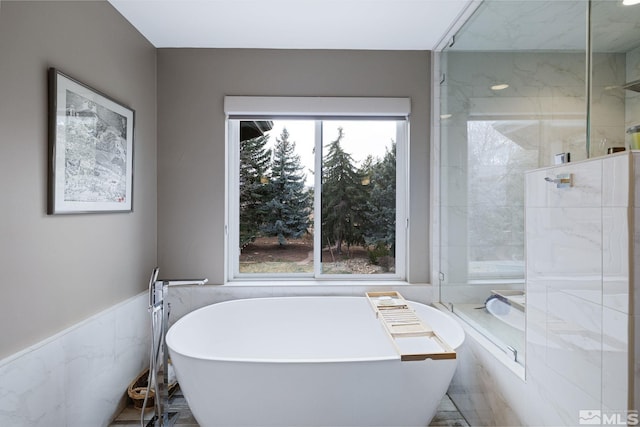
point(305, 361)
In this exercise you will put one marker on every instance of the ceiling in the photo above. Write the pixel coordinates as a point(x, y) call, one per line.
point(293, 24)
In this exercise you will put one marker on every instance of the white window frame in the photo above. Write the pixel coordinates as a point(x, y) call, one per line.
point(238, 108)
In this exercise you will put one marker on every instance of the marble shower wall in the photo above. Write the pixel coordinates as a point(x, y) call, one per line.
point(632, 99)
point(543, 111)
point(79, 377)
point(607, 102)
point(579, 341)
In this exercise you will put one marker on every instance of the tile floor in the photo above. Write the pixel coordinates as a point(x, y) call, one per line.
point(130, 416)
point(447, 415)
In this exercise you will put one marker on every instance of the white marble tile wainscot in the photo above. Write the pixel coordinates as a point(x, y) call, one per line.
point(185, 299)
point(78, 377)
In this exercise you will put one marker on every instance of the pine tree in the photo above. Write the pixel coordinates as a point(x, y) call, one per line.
point(341, 195)
point(254, 191)
point(380, 215)
point(287, 212)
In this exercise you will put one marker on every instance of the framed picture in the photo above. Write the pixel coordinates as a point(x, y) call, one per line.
point(90, 149)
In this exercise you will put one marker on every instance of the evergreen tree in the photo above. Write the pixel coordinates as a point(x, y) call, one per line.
point(254, 191)
point(380, 215)
point(287, 212)
point(341, 195)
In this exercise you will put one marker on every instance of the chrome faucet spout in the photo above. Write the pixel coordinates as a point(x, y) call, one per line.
point(184, 282)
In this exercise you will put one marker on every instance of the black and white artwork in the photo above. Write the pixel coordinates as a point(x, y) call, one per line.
point(91, 149)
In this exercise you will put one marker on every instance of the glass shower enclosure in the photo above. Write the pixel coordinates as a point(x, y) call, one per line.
point(512, 98)
point(523, 85)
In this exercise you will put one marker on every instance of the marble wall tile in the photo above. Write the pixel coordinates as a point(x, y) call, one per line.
point(189, 298)
point(454, 220)
point(525, 107)
point(574, 341)
point(454, 151)
point(632, 63)
point(577, 349)
point(490, 394)
point(616, 185)
point(475, 293)
point(536, 328)
point(615, 258)
point(636, 181)
point(632, 99)
point(585, 192)
point(133, 335)
point(520, 69)
point(553, 400)
point(32, 390)
point(564, 135)
point(587, 186)
point(482, 389)
point(453, 260)
point(604, 137)
point(455, 101)
point(607, 102)
point(89, 359)
point(535, 191)
point(632, 112)
point(608, 69)
point(180, 301)
point(615, 359)
point(564, 247)
point(78, 377)
point(608, 106)
point(454, 184)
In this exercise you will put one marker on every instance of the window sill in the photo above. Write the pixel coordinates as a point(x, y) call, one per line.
point(321, 283)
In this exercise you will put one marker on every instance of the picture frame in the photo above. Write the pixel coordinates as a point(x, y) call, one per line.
point(91, 137)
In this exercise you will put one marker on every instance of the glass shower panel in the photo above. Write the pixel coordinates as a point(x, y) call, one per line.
point(615, 87)
point(513, 95)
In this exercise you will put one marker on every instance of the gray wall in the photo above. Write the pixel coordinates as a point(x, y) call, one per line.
point(58, 270)
point(192, 84)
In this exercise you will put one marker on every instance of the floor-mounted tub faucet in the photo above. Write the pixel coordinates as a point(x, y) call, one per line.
point(158, 371)
point(158, 288)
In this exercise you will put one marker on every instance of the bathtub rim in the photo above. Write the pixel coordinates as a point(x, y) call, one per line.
point(391, 356)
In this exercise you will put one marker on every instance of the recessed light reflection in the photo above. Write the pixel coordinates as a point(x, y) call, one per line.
point(630, 2)
point(499, 86)
point(446, 116)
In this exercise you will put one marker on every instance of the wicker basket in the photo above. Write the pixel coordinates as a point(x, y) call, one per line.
point(138, 389)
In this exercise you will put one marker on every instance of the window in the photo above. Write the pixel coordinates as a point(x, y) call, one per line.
point(316, 194)
point(499, 152)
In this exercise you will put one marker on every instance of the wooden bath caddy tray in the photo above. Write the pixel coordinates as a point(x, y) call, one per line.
point(412, 338)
